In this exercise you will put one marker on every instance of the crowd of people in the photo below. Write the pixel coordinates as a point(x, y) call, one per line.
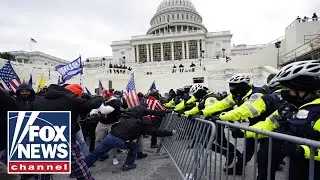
point(104, 119)
point(288, 103)
point(305, 18)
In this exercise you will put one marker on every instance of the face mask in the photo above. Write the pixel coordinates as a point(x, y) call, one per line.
point(296, 100)
point(239, 90)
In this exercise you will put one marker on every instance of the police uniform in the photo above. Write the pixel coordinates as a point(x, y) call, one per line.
point(298, 116)
point(207, 101)
point(255, 109)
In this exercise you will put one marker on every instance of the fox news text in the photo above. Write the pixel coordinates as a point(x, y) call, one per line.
point(39, 142)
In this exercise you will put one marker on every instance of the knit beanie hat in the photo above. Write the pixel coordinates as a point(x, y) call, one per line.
point(75, 89)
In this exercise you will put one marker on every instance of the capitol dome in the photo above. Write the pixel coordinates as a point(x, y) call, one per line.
point(174, 16)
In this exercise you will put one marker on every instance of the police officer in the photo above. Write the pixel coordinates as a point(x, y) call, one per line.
point(241, 90)
point(188, 101)
point(256, 109)
point(176, 99)
point(300, 116)
point(204, 97)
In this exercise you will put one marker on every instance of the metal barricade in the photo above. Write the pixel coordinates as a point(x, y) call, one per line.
point(190, 147)
point(270, 147)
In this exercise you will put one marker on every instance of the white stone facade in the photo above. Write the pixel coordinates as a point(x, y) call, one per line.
point(37, 58)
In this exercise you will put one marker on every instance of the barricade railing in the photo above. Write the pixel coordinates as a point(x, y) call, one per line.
point(190, 147)
point(270, 153)
point(194, 151)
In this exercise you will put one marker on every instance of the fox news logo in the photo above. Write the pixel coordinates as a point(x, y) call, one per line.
point(39, 142)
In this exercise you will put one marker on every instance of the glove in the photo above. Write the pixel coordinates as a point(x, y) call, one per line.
point(215, 118)
point(292, 150)
point(179, 113)
point(169, 111)
point(85, 96)
point(193, 118)
point(286, 111)
point(94, 111)
point(201, 105)
point(237, 133)
point(174, 132)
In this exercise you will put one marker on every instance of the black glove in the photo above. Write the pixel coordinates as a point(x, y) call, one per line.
point(179, 113)
point(215, 118)
point(237, 133)
point(286, 111)
point(193, 118)
point(85, 96)
point(201, 105)
point(292, 150)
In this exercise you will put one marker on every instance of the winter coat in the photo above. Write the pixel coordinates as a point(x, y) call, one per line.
point(132, 124)
point(58, 98)
point(8, 104)
point(24, 104)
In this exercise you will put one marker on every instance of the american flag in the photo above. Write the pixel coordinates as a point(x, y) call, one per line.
point(154, 104)
point(131, 94)
point(8, 77)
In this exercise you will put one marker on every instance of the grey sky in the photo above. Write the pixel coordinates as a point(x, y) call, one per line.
point(67, 28)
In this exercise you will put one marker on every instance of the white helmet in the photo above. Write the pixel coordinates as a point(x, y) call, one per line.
point(303, 74)
point(195, 88)
point(239, 78)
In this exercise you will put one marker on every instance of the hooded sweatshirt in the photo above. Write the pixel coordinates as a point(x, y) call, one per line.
point(24, 103)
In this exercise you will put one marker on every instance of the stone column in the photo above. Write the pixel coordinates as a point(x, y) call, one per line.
point(172, 51)
point(187, 45)
point(183, 50)
point(148, 56)
point(198, 45)
point(137, 51)
point(151, 52)
point(176, 29)
point(162, 57)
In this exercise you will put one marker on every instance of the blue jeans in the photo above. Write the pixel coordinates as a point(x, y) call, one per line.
point(82, 142)
point(110, 142)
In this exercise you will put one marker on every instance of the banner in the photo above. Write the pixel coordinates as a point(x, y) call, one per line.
point(69, 70)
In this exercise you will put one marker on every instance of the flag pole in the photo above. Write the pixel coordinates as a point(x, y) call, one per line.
point(81, 74)
point(30, 45)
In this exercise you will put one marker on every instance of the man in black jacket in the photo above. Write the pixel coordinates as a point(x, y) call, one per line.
point(58, 98)
point(8, 105)
point(130, 126)
point(24, 96)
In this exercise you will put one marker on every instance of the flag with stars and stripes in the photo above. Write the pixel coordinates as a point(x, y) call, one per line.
point(131, 94)
point(8, 77)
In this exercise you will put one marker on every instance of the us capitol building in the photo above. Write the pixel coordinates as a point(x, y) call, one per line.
point(178, 50)
point(177, 33)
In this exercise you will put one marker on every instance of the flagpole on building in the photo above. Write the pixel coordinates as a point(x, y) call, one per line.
point(30, 45)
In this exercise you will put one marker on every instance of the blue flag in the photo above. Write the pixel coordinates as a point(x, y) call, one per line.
point(153, 86)
point(30, 80)
point(69, 70)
